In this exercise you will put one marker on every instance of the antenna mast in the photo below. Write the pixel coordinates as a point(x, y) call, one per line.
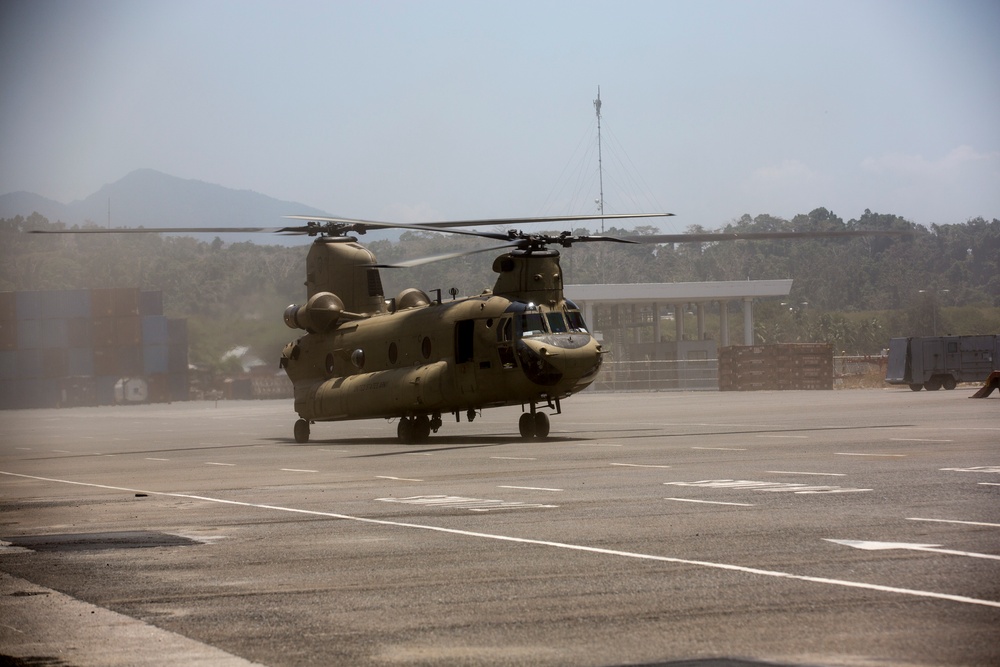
point(600, 168)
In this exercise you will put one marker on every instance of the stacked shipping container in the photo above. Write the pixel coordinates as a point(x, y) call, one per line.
point(70, 347)
point(782, 366)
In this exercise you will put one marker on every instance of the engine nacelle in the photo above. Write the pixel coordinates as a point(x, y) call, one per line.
point(320, 314)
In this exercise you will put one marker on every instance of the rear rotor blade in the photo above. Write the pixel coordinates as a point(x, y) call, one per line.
point(420, 261)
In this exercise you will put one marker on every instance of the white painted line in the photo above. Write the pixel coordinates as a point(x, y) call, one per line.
point(709, 502)
point(933, 548)
point(723, 449)
point(209, 463)
point(975, 469)
point(398, 479)
point(967, 523)
point(528, 488)
point(419, 454)
point(821, 474)
point(988, 484)
point(901, 456)
point(514, 458)
point(296, 470)
point(637, 465)
point(148, 458)
point(961, 599)
point(917, 440)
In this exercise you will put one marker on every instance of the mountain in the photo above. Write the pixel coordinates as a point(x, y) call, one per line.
point(148, 198)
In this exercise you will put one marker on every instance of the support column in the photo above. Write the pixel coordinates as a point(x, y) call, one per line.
point(747, 321)
point(700, 307)
point(724, 323)
point(679, 321)
point(656, 323)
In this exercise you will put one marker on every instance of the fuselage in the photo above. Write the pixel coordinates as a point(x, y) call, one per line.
point(434, 358)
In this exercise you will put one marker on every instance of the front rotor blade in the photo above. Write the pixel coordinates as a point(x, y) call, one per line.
point(711, 237)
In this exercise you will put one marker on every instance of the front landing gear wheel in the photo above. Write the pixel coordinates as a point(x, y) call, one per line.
point(301, 431)
point(541, 425)
point(526, 425)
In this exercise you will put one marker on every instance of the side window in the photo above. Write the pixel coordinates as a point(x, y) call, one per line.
point(505, 332)
point(952, 347)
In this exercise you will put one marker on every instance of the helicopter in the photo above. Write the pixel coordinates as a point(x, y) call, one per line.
point(413, 358)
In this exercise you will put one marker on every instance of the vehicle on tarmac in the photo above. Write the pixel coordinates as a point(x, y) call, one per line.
point(933, 362)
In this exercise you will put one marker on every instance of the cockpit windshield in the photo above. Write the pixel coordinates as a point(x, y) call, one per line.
point(576, 323)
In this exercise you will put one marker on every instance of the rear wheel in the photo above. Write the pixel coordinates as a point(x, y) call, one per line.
point(949, 383)
point(301, 431)
point(916, 387)
point(526, 425)
point(405, 431)
point(933, 384)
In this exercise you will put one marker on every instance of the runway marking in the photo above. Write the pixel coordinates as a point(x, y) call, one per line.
point(638, 465)
point(528, 488)
point(968, 523)
point(988, 483)
point(398, 479)
point(418, 454)
point(933, 548)
point(820, 474)
point(471, 504)
point(917, 440)
point(556, 545)
point(709, 502)
point(775, 487)
point(148, 458)
point(296, 470)
point(210, 463)
point(901, 456)
point(975, 469)
point(514, 458)
point(723, 449)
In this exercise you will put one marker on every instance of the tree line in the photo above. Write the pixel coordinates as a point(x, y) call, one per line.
point(855, 293)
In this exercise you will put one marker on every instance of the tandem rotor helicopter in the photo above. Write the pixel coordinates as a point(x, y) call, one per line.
point(415, 359)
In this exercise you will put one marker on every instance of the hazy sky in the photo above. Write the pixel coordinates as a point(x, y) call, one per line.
point(424, 110)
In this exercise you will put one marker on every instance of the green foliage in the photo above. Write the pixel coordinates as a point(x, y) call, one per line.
point(855, 293)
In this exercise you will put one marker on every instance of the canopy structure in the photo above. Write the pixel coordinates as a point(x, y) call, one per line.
point(679, 296)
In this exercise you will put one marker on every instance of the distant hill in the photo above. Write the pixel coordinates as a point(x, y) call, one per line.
point(148, 198)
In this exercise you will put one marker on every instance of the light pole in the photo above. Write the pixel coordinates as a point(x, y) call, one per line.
point(934, 306)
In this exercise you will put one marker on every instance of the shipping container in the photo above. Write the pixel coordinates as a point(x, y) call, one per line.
point(150, 303)
point(155, 330)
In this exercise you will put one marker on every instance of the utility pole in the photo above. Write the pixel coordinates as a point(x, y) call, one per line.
point(600, 168)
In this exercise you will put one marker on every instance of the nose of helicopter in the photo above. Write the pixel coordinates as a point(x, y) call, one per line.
point(572, 362)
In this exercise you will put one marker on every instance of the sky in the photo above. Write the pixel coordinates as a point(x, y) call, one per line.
point(444, 109)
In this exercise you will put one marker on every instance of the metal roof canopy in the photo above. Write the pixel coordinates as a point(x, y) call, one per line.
point(728, 290)
point(656, 294)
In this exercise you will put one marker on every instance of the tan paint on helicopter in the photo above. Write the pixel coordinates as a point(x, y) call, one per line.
point(363, 360)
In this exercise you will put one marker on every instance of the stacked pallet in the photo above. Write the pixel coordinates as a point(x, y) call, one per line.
point(782, 366)
point(78, 347)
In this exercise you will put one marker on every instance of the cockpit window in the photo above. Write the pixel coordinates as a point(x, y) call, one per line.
point(556, 321)
point(576, 323)
point(532, 324)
